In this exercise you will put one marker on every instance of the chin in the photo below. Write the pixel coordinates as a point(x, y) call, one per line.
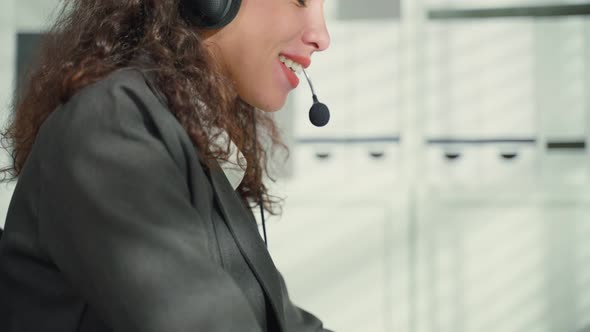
point(271, 109)
point(268, 104)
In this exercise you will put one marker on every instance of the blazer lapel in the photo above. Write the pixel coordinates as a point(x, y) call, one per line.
point(242, 226)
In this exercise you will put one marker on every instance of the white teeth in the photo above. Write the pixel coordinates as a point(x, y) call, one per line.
point(294, 66)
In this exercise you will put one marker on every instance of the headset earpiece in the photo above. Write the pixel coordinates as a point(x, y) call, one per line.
point(209, 14)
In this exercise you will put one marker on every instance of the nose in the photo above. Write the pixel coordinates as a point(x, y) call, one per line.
point(317, 33)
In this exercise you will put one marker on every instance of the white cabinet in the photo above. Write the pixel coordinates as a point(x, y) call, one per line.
point(500, 165)
point(346, 261)
point(503, 261)
point(561, 76)
point(479, 79)
point(562, 85)
point(345, 171)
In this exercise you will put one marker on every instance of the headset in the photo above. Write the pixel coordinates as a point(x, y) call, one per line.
point(215, 14)
point(209, 14)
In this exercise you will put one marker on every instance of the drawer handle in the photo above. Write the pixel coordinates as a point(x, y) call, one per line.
point(566, 145)
point(377, 154)
point(452, 155)
point(322, 155)
point(509, 155)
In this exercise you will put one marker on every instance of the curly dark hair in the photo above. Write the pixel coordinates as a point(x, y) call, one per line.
point(92, 38)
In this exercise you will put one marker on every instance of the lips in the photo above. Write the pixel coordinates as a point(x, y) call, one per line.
point(291, 77)
point(300, 59)
point(304, 61)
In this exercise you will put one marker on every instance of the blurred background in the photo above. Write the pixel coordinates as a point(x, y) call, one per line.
point(451, 189)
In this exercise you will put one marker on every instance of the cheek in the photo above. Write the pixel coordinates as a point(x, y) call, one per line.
point(255, 69)
point(263, 88)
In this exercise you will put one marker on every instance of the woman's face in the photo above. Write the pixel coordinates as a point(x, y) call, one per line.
point(251, 47)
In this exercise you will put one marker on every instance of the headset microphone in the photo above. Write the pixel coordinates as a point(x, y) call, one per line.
point(319, 114)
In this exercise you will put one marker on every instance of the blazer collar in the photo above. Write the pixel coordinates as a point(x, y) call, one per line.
point(242, 226)
point(235, 167)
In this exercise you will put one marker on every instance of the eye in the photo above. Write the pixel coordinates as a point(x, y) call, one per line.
point(302, 3)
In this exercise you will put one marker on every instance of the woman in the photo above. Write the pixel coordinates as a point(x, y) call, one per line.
point(123, 218)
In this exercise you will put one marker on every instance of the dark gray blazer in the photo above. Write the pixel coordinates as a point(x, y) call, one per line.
point(115, 225)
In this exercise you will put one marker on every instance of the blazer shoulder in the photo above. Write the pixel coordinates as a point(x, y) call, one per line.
point(122, 91)
point(122, 105)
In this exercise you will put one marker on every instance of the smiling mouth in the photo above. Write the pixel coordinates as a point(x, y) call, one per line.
point(292, 65)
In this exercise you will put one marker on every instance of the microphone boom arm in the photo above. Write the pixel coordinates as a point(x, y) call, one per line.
point(309, 82)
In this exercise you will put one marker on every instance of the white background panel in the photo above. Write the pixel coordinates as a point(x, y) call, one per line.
point(561, 83)
point(497, 264)
point(354, 254)
point(480, 79)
